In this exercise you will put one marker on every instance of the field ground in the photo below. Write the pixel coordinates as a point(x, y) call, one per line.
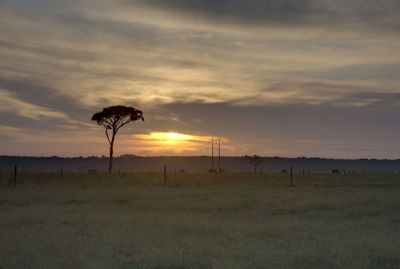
point(200, 220)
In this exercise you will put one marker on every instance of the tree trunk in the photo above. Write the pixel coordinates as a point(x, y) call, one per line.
point(110, 162)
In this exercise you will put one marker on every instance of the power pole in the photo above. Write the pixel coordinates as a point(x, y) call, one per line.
point(212, 152)
point(219, 153)
point(212, 142)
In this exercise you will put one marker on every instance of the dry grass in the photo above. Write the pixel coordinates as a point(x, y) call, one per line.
point(230, 220)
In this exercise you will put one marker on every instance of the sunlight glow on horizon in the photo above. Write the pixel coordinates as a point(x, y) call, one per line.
point(171, 137)
point(173, 141)
point(174, 136)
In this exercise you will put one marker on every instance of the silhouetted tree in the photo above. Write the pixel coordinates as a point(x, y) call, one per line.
point(113, 118)
point(254, 160)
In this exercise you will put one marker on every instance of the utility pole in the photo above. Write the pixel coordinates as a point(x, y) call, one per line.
point(212, 152)
point(219, 153)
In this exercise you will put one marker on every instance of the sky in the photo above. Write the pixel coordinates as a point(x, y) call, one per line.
point(290, 78)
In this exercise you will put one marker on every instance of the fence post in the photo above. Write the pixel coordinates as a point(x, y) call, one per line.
point(15, 175)
point(165, 175)
point(291, 176)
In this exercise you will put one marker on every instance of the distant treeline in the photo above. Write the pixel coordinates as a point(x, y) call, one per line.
point(192, 163)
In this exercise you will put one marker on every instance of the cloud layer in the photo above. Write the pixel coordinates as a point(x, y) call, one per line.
point(314, 78)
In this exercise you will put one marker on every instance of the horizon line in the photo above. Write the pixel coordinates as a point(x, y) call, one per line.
point(191, 156)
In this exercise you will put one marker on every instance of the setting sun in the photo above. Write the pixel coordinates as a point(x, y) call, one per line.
point(175, 136)
point(172, 142)
point(172, 138)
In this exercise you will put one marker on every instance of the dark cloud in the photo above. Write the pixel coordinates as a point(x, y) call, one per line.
point(46, 97)
point(386, 71)
point(10, 119)
point(288, 12)
point(351, 128)
point(375, 100)
point(284, 120)
point(238, 7)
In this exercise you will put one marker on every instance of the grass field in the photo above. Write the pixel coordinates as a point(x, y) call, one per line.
point(200, 220)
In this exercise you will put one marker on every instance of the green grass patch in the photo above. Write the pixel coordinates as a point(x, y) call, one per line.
point(199, 220)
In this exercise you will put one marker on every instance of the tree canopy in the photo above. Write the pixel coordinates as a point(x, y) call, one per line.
point(117, 116)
